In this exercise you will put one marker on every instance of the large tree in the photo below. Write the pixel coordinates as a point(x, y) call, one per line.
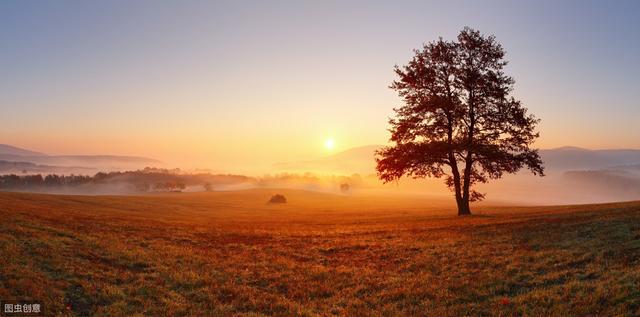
point(458, 120)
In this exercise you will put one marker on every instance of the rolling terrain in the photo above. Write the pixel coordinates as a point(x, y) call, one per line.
point(22, 161)
point(231, 253)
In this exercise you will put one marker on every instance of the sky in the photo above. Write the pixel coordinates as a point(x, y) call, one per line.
point(237, 84)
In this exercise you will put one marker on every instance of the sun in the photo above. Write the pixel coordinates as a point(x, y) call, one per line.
point(329, 144)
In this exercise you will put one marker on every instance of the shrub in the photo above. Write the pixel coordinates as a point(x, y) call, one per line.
point(278, 199)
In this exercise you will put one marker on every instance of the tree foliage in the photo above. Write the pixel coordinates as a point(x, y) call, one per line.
point(459, 120)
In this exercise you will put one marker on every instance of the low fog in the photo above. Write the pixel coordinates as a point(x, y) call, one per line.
point(573, 176)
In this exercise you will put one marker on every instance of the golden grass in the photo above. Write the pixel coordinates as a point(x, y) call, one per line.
point(232, 253)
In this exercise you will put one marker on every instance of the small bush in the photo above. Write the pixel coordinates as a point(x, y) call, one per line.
point(278, 199)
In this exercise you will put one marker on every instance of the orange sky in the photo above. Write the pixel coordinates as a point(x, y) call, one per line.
point(234, 87)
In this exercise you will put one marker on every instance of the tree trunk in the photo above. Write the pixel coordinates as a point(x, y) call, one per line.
point(463, 207)
point(463, 202)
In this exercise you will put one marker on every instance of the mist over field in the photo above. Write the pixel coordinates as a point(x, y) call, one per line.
point(573, 175)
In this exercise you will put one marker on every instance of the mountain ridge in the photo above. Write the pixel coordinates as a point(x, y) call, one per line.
point(6, 149)
point(16, 154)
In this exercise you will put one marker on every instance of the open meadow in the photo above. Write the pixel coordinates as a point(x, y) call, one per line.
point(231, 253)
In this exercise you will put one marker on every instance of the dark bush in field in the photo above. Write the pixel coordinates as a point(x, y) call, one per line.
point(278, 199)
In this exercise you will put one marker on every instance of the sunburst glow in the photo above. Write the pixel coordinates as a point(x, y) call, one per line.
point(329, 144)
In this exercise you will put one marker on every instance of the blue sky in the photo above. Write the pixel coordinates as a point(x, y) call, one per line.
point(237, 82)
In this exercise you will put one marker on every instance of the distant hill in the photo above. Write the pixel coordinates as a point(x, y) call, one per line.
point(92, 159)
point(6, 149)
point(361, 160)
point(575, 158)
point(100, 162)
point(10, 167)
point(97, 162)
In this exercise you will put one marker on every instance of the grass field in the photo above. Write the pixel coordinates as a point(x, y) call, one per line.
point(230, 253)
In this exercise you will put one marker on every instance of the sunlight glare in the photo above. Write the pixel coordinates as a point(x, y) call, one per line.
point(329, 144)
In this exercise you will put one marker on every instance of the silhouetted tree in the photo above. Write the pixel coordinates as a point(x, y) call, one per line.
point(458, 120)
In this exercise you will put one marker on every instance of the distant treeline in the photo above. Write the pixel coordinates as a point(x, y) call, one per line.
point(171, 180)
point(148, 179)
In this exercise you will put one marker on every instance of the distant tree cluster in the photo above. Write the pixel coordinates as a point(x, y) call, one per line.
point(169, 186)
point(169, 180)
point(13, 181)
point(148, 179)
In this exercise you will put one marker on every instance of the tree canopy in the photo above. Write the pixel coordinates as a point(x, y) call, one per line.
point(459, 120)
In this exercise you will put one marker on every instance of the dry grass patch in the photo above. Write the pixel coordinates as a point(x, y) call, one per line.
point(319, 255)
